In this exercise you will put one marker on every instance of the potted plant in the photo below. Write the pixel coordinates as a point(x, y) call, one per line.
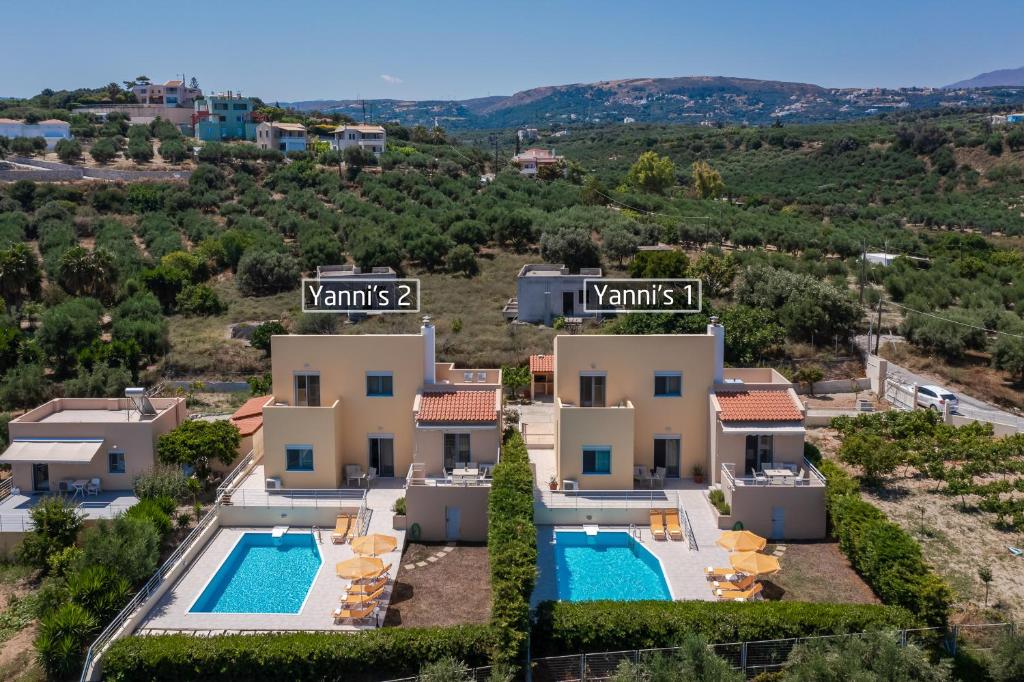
point(698, 473)
point(398, 522)
point(553, 483)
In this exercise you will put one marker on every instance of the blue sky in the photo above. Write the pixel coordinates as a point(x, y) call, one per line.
point(454, 49)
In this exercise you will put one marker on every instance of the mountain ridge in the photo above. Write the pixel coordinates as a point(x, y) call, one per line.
point(989, 79)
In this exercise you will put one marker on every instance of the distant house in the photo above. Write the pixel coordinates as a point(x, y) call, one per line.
point(545, 291)
point(629, 119)
point(53, 130)
point(533, 159)
point(284, 137)
point(527, 134)
point(887, 259)
point(225, 116)
point(1015, 118)
point(173, 93)
point(372, 138)
point(997, 119)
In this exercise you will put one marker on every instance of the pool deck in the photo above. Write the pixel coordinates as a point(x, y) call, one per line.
point(683, 567)
point(171, 613)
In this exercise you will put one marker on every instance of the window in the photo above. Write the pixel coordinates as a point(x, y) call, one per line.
point(759, 453)
point(668, 384)
point(592, 390)
point(382, 455)
point(240, 107)
point(299, 457)
point(597, 460)
point(379, 384)
point(456, 450)
point(307, 390)
point(115, 460)
point(666, 455)
point(220, 106)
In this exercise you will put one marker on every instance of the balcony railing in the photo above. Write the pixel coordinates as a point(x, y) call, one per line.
point(811, 478)
point(418, 477)
point(608, 499)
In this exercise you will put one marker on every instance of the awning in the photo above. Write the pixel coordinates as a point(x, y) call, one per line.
point(52, 451)
point(766, 428)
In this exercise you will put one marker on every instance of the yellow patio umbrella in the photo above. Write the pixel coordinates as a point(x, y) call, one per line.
point(359, 567)
point(741, 541)
point(754, 563)
point(374, 544)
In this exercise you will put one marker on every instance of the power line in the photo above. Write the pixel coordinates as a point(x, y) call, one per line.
point(962, 324)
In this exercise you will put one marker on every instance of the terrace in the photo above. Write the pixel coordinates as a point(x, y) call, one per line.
point(15, 510)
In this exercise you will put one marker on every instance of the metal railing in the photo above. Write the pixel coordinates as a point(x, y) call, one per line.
point(241, 470)
point(688, 529)
point(295, 497)
point(754, 657)
point(477, 674)
point(607, 499)
point(110, 632)
point(417, 477)
point(6, 485)
point(813, 478)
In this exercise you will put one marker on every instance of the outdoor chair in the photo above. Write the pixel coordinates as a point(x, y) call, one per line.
point(64, 486)
point(341, 529)
point(367, 588)
point(675, 531)
point(657, 524)
point(728, 574)
point(353, 472)
point(760, 478)
point(659, 477)
point(349, 601)
point(381, 575)
point(742, 583)
point(740, 595)
point(371, 474)
point(360, 613)
point(93, 487)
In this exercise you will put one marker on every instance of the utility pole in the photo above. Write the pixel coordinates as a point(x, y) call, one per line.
point(878, 330)
point(863, 259)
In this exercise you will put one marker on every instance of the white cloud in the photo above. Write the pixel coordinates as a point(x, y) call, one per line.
point(388, 78)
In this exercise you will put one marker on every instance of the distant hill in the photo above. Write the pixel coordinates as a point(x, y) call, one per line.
point(695, 100)
point(1002, 77)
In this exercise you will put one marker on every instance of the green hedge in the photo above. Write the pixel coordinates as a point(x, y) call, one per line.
point(885, 555)
point(356, 657)
point(512, 544)
point(569, 628)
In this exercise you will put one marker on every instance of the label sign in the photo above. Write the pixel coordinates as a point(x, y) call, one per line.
point(642, 295)
point(359, 294)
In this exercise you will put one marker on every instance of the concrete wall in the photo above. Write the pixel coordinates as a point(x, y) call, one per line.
point(577, 427)
point(836, 386)
point(40, 175)
point(317, 427)
point(483, 446)
point(342, 362)
point(803, 509)
point(428, 506)
point(540, 298)
point(137, 439)
point(259, 517)
point(876, 369)
point(569, 516)
point(630, 363)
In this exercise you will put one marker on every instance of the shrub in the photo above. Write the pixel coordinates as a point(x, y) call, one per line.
point(355, 657)
point(885, 555)
point(99, 590)
point(155, 511)
point(103, 150)
point(717, 498)
point(128, 545)
point(61, 639)
point(199, 299)
point(578, 627)
point(197, 443)
point(462, 260)
point(512, 545)
point(693, 662)
point(262, 273)
point(56, 526)
point(261, 335)
point(1008, 659)
point(140, 150)
point(873, 656)
point(173, 150)
point(399, 506)
point(69, 151)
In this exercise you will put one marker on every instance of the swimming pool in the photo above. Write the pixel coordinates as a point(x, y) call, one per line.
point(608, 565)
point(263, 574)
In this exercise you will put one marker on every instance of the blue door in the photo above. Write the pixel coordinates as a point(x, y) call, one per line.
point(778, 523)
point(452, 523)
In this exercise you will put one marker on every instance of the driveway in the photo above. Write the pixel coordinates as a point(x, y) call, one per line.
point(969, 405)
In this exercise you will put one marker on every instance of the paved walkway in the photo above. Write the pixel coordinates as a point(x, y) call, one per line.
point(171, 613)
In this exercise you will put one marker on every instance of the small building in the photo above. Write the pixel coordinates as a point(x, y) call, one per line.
point(532, 160)
point(173, 93)
point(629, 119)
point(284, 137)
point(225, 116)
point(249, 420)
point(67, 441)
point(372, 138)
point(545, 292)
point(542, 376)
point(52, 130)
point(1015, 118)
point(527, 134)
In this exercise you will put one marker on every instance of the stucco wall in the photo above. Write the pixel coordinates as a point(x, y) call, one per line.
point(731, 448)
point(427, 506)
point(607, 426)
point(630, 363)
point(342, 362)
point(319, 427)
point(803, 510)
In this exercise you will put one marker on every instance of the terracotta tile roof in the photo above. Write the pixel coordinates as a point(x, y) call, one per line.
point(757, 406)
point(249, 417)
point(457, 406)
point(542, 363)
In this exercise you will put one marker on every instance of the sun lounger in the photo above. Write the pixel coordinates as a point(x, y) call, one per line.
point(675, 531)
point(381, 575)
point(712, 573)
point(350, 601)
point(743, 583)
point(657, 524)
point(360, 613)
point(341, 529)
point(736, 595)
point(367, 588)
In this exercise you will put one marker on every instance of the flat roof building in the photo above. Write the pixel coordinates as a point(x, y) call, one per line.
point(545, 291)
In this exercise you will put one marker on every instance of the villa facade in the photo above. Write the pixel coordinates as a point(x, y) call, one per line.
point(284, 137)
point(649, 410)
point(371, 138)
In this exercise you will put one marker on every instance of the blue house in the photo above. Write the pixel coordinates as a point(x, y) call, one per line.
point(225, 116)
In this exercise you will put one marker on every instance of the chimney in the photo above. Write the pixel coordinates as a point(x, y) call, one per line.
point(427, 330)
point(717, 331)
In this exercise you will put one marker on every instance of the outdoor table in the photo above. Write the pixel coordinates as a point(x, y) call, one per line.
point(79, 486)
point(466, 473)
point(777, 474)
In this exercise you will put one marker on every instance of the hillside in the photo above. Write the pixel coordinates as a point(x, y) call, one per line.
point(991, 79)
point(691, 99)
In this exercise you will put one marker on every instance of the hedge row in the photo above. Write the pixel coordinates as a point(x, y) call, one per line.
point(565, 628)
point(512, 544)
point(885, 555)
point(355, 657)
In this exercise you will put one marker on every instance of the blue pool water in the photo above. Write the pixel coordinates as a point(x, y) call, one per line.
point(263, 574)
point(609, 565)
